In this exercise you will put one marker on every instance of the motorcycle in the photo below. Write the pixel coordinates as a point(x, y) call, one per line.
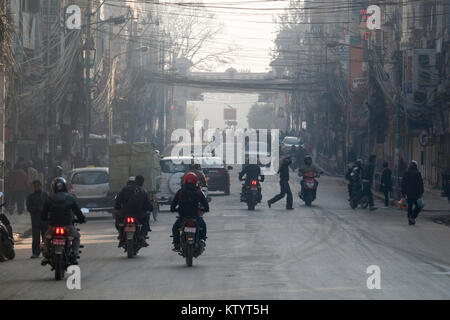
point(252, 194)
point(309, 187)
point(358, 194)
point(6, 237)
point(132, 237)
point(61, 255)
point(190, 246)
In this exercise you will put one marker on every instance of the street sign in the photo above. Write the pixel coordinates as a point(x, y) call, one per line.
point(229, 114)
point(360, 82)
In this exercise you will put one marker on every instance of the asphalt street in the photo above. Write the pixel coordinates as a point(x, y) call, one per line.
point(321, 252)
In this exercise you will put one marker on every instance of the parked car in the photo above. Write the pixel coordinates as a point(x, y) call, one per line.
point(217, 174)
point(90, 186)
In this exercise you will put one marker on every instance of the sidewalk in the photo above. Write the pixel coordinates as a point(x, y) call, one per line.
point(21, 224)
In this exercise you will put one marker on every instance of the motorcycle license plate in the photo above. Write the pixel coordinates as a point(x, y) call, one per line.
point(130, 228)
point(58, 242)
point(254, 189)
point(190, 229)
point(310, 185)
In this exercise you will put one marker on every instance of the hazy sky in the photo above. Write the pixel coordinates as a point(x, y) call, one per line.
point(253, 32)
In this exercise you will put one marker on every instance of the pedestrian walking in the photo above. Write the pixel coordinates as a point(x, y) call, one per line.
point(8, 196)
point(285, 189)
point(412, 188)
point(35, 203)
point(386, 183)
point(19, 188)
point(368, 174)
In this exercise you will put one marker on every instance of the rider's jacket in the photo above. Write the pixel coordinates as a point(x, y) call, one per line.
point(251, 172)
point(59, 209)
point(188, 199)
point(308, 168)
point(132, 201)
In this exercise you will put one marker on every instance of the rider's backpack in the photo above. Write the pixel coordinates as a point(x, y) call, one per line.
point(135, 202)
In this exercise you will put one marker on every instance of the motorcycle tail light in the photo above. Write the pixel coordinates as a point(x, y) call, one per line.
point(190, 224)
point(130, 220)
point(60, 231)
point(254, 182)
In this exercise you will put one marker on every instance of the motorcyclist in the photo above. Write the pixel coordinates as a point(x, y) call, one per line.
point(146, 213)
point(132, 201)
point(251, 172)
point(308, 166)
point(187, 202)
point(349, 179)
point(58, 210)
point(355, 178)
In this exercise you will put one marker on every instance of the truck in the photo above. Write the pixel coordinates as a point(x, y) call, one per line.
point(132, 159)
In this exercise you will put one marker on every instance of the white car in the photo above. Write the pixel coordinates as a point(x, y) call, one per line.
point(90, 187)
point(171, 174)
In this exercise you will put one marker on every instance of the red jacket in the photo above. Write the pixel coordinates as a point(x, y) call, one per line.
point(19, 180)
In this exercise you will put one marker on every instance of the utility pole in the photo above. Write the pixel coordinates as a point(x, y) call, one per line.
point(111, 87)
point(2, 126)
point(87, 65)
point(48, 113)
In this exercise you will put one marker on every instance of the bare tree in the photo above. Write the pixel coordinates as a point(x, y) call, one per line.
point(191, 30)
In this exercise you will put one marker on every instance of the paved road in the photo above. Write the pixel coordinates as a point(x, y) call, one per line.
point(321, 252)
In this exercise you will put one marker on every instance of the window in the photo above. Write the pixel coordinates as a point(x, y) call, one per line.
point(90, 178)
point(168, 166)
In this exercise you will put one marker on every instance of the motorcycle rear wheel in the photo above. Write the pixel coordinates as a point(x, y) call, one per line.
point(308, 199)
point(189, 254)
point(130, 248)
point(59, 267)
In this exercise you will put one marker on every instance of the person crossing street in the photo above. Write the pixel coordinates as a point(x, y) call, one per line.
point(285, 189)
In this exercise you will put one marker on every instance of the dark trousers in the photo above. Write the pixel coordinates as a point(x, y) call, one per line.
point(412, 213)
point(177, 225)
point(38, 230)
point(367, 189)
point(285, 189)
point(18, 197)
point(386, 198)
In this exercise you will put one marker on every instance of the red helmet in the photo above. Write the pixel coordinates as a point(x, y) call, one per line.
point(190, 177)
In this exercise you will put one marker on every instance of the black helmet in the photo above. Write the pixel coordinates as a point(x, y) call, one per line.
point(360, 162)
point(59, 184)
